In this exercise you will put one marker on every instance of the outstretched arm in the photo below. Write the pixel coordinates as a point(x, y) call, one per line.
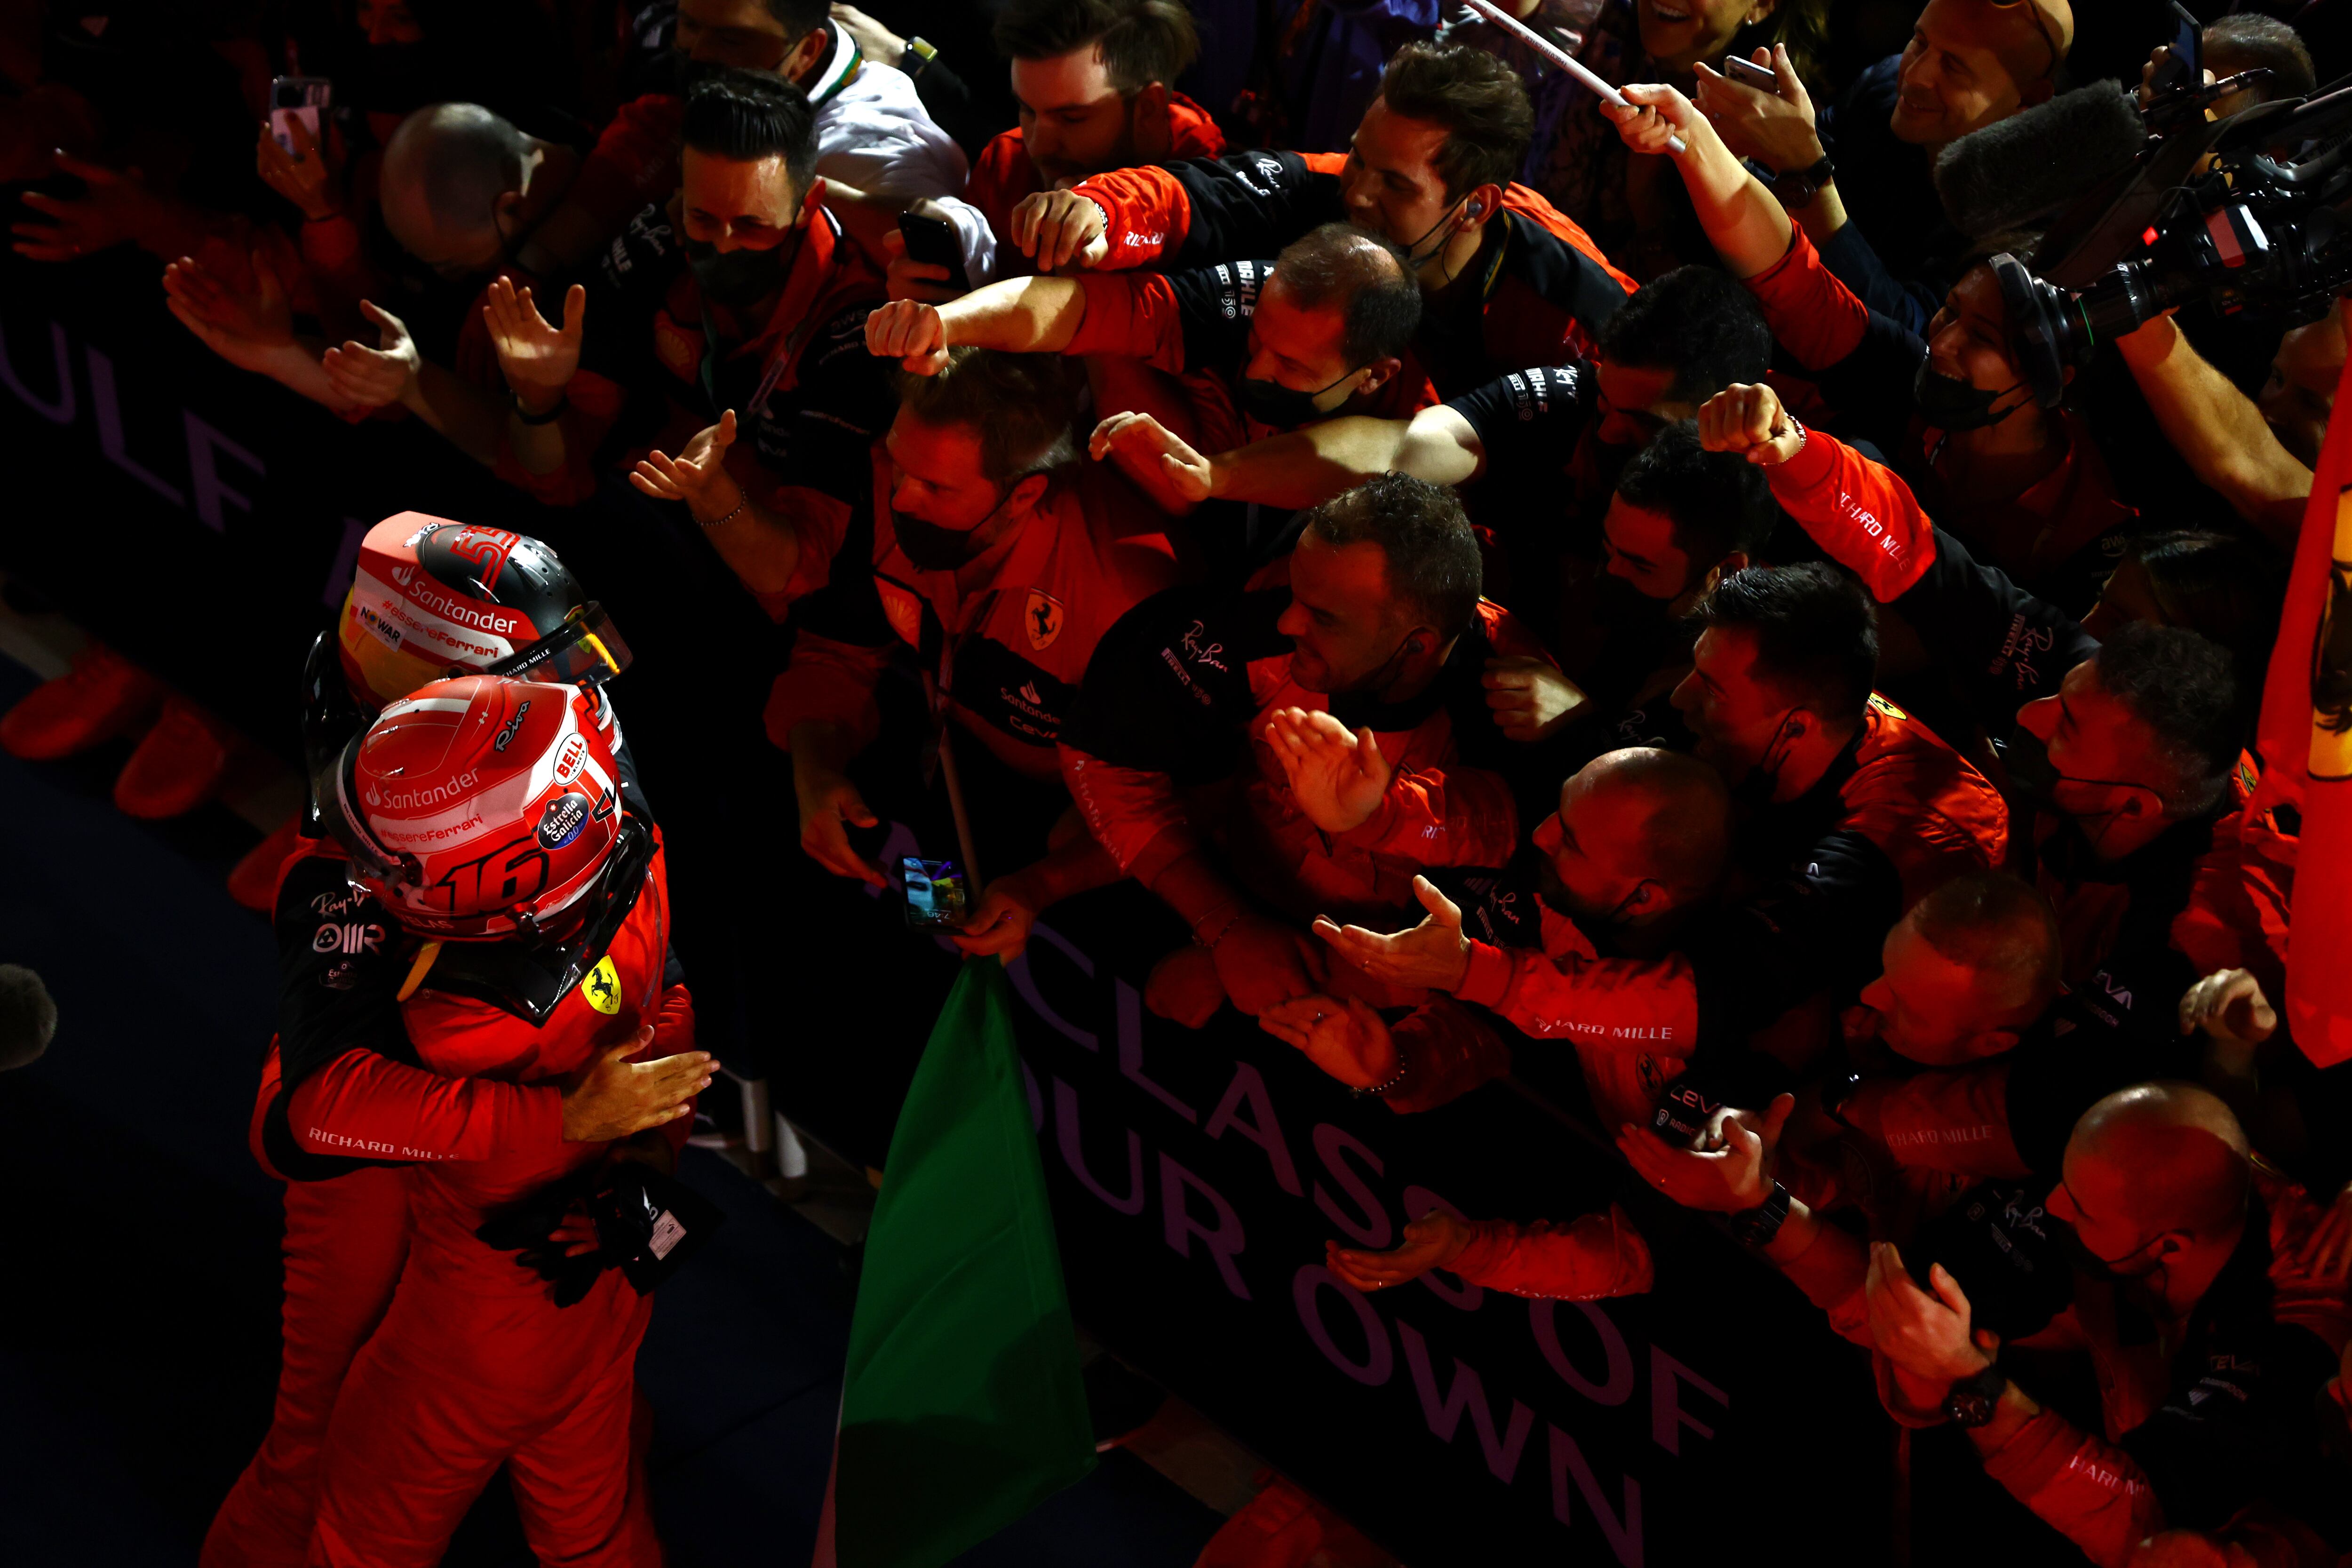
point(1300, 468)
point(2217, 430)
point(1020, 315)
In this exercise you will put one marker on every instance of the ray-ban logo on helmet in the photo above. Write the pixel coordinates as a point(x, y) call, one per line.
point(506, 735)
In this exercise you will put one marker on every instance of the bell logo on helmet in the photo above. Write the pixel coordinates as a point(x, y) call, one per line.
point(561, 823)
point(571, 759)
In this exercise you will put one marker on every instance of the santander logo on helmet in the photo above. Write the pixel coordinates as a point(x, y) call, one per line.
point(480, 806)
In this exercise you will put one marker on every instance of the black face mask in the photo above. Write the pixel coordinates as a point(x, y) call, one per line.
point(932, 548)
point(2030, 769)
point(1947, 402)
point(739, 277)
point(1285, 408)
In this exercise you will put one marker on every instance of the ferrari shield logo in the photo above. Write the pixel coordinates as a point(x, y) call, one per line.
point(1043, 619)
point(601, 987)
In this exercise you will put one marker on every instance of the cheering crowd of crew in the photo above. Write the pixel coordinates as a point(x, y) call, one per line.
point(1510, 572)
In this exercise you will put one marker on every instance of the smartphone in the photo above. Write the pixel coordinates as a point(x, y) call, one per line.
point(932, 241)
point(302, 98)
point(1747, 73)
point(2185, 66)
point(934, 893)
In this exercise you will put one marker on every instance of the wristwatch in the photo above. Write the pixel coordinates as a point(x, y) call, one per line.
point(1798, 187)
point(919, 53)
point(1758, 1225)
point(1972, 1400)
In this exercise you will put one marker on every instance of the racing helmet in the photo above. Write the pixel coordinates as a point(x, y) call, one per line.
point(431, 598)
point(476, 808)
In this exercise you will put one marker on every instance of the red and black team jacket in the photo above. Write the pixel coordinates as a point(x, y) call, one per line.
point(1002, 176)
point(1536, 293)
point(1007, 637)
point(1165, 754)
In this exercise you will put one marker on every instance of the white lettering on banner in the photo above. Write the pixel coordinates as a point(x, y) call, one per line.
point(1593, 1358)
point(58, 410)
point(209, 494)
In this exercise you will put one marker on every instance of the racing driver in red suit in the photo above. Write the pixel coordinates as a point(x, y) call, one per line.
point(485, 816)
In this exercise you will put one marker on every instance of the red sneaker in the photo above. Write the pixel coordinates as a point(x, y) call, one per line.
point(254, 882)
point(104, 695)
point(180, 765)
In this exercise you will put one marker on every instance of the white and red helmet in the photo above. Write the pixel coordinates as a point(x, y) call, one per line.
point(477, 807)
point(431, 598)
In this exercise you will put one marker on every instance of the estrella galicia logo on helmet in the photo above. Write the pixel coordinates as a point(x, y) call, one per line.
point(561, 823)
point(570, 758)
point(506, 735)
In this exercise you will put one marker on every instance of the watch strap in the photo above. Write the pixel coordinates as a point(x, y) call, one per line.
point(1973, 1400)
point(1758, 1225)
point(919, 53)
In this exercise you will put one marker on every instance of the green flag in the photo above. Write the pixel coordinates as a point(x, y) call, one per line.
point(961, 1409)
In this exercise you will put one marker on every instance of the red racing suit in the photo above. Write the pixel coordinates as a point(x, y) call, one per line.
point(1008, 636)
point(1002, 176)
point(1174, 705)
point(1536, 293)
point(473, 1365)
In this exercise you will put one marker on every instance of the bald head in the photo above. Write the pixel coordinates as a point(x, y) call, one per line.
point(1971, 63)
point(2152, 1161)
point(1677, 809)
point(449, 172)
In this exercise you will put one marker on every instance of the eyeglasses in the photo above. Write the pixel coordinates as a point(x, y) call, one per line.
point(2034, 14)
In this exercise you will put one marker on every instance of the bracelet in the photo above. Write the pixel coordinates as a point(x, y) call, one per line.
point(1374, 1090)
point(1210, 944)
point(918, 54)
point(740, 502)
point(561, 403)
point(1758, 1225)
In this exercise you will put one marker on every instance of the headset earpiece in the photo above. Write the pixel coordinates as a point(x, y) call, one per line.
point(1478, 209)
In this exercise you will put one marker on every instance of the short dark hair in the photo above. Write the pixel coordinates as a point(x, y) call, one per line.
point(2249, 38)
point(1021, 405)
point(1697, 324)
point(744, 116)
point(28, 1018)
point(2184, 687)
point(1718, 501)
point(797, 17)
point(1432, 555)
point(1142, 41)
point(1816, 633)
point(2226, 586)
point(1382, 297)
point(1996, 924)
point(1481, 102)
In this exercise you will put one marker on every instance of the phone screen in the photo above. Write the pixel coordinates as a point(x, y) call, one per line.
point(934, 893)
point(2188, 44)
point(1749, 73)
point(932, 241)
point(293, 98)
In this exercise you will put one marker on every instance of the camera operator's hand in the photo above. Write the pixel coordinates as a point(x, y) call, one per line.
point(1337, 778)
point(240, 327)
point(911, 332)
point(1531, 699)
point(1345, 1039)
point(613, 1097)
point(1928, 1336)
point(1729, 1173)
point(999, 927)
point(2229, 1005)
point(908, 278)
point(536, 356)
point(1262, 963)
point(366, 377)
point(113, 208)
point(1057, 229)
point(697, 476)
point(830, 805)
point(1658, 115)
point(1160, 463)
point(2147, 75)
point(1775, 128)
point(1434, 955)
point(1749, 420)
point(311, 176)
point(1432, 1241)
